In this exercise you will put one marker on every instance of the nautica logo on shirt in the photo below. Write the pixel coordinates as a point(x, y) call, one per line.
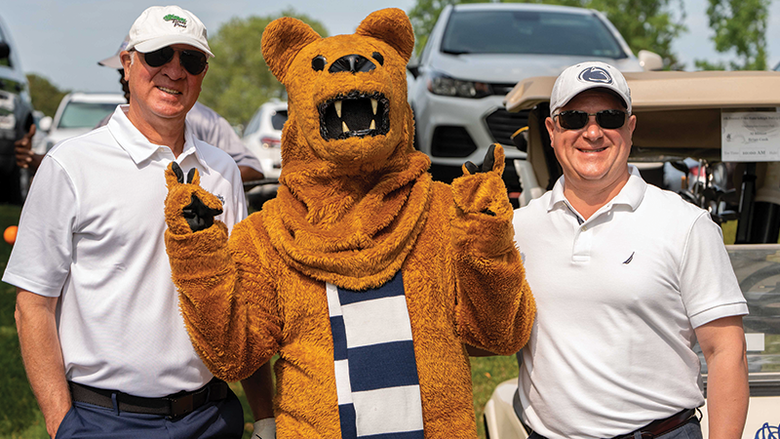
point(630, 258)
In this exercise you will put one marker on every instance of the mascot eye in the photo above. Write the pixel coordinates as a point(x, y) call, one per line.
point(379, 58)
point(318, 63)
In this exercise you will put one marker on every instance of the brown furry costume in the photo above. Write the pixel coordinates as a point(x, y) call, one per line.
point(352, 210)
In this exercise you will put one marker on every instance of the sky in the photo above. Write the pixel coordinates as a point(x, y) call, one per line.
point(62, 40)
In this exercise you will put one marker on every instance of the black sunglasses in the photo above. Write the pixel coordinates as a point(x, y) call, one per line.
point(193, 61)
point(576, 119)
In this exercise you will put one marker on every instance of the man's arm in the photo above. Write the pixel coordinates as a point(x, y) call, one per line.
point(259, 390)
point(250, 174)
point(42, 355)
point(723, 343)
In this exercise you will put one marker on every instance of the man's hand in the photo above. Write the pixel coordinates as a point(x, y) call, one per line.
point(188, 207)
point(264, 429)
point(25, 157)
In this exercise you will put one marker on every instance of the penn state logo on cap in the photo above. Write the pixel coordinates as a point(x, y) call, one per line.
point(595, 74)
point(585, 76)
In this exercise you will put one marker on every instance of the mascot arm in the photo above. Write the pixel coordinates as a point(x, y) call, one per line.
point(495, 308)
point(233, 333)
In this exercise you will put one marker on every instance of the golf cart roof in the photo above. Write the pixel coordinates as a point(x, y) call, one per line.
point(678, 113)
point(654, 91)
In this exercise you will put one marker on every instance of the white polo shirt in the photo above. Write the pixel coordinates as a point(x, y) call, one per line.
point(618, 297)
point(91, 232)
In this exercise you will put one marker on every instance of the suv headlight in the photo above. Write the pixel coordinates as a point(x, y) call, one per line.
point(443, 85)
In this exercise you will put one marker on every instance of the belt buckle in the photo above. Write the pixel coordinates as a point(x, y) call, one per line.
point(181, 406)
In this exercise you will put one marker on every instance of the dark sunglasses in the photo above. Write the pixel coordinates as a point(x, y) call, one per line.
point(576, 119)
point(193, 61)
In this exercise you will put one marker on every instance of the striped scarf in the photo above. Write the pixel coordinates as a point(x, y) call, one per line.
point(376, 372)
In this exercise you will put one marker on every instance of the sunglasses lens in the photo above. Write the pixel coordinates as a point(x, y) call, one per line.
point(611, 119)
point(607, 119)
point(193, 61)
point(573, 119)
point(158, 57)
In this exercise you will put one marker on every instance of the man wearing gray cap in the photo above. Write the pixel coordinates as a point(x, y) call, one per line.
point(104, 345)
point(627, 278)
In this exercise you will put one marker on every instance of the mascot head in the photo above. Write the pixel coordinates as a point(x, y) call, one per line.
point(348, 113)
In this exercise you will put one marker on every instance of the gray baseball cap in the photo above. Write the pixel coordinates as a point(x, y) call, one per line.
point(586, 76)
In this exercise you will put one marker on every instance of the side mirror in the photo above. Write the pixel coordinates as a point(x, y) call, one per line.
point(650, 60)
point(413, 66)
point(45, 123)
point(414, 70)
point(5, 50)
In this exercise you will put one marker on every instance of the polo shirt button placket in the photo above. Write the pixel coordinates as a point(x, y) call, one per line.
point(583, 241)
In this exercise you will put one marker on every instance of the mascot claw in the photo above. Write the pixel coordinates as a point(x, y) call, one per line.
point(196, 215)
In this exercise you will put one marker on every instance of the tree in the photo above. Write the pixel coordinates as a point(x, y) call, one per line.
point(645, 24)
point(238, 80)
point(45, 96)
point(739, 25)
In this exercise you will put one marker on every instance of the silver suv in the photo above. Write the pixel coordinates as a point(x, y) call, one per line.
point(474, 56)
point(16, 116)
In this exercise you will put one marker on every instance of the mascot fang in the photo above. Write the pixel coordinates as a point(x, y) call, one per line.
point(365, 276)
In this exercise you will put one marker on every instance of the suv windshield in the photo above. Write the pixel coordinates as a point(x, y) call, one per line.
point(531, 32)
point(85, 114)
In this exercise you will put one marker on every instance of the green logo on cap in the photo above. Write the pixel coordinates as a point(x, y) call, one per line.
point(177, 21)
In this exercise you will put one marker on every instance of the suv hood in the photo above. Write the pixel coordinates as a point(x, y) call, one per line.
point(511, 68)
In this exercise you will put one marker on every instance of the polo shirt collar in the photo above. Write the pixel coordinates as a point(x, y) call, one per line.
point(630, 195)
point(138, 146)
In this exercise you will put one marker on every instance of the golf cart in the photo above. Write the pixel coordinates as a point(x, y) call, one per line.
point(720, 132)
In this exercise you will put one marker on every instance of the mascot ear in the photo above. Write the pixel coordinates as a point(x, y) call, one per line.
point(391, 26)
point(282, 39)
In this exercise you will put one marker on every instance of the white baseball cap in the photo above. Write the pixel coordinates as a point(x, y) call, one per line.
point(114, 61)
point(161, 26)
point(586, 76)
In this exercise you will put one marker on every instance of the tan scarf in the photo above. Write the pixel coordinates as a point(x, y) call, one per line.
point(354, 231)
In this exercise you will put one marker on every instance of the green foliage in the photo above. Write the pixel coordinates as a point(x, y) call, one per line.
point(238, 80)
point(645, 24)
point(486, 374)
point(740, 26)
point(19, 414)
point(45, 95)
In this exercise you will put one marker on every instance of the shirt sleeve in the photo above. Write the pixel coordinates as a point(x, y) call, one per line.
point(227, 140)
point(41, 258)
point(708, 285)
point(215, 130)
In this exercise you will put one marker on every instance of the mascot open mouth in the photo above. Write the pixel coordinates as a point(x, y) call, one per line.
point(355, 114)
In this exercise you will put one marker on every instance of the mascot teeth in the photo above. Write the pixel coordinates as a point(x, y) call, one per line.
point(355, 114)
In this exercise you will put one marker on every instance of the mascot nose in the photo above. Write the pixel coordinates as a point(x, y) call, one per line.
point(352, 63)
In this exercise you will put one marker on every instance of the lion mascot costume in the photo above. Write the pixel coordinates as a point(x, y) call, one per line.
point(365, 276)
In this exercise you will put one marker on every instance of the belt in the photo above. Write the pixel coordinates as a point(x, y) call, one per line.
point(661, 426)
point(172, 406)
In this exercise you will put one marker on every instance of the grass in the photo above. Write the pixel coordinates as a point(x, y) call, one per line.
point(20, 417)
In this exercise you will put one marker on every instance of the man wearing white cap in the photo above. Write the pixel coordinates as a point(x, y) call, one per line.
point(626, 278)
point(104, 345)
point(206, 123)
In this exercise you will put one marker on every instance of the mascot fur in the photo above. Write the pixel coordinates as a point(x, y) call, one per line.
point(356, 216)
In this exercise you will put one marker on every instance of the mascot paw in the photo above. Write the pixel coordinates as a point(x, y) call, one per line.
point(481, 189)
point(188, 207)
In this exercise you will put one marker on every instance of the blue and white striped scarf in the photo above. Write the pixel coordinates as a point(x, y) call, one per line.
point(376, 372)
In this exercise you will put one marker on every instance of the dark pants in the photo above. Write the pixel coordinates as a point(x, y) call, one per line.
point(220, 419)
point(691, 430)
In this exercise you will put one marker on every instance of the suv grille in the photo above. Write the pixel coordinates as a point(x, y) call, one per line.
point(452, 141)
point(502, 124)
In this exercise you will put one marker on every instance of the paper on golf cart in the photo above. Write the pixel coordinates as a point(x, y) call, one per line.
point(750, 136)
